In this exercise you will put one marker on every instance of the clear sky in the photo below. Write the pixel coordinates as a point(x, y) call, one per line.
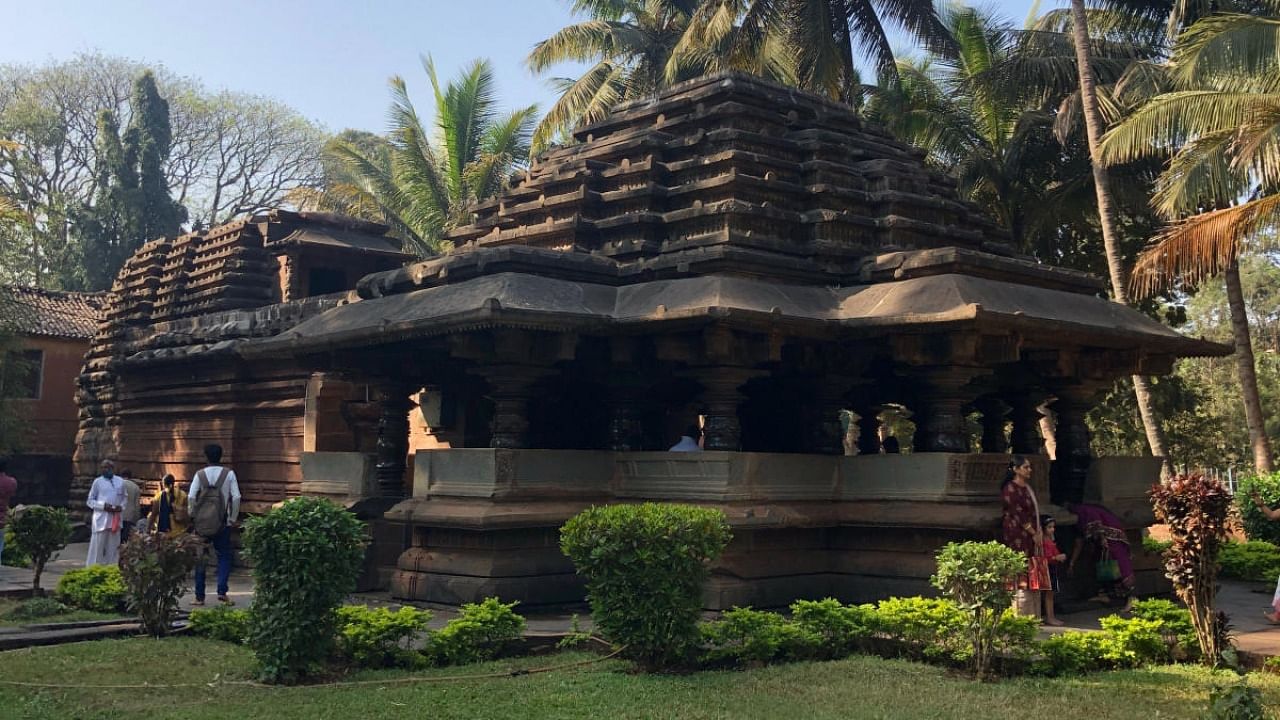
point(329, 59)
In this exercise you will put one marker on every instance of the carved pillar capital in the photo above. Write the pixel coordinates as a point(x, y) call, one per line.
point(940, 424)
point(510, 387)
point(721, 397)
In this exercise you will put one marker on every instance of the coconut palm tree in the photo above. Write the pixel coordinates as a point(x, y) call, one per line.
point(639, 46)
point(630, 44)
point(1222, 123)
point(998, 145)
point(420, 182)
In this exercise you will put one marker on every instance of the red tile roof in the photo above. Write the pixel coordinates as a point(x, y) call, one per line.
point(32, 311)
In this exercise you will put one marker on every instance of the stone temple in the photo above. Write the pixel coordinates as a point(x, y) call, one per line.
point(731, 251)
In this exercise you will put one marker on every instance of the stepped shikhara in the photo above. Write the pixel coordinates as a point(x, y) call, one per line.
point(163, 376)
point(741, 255)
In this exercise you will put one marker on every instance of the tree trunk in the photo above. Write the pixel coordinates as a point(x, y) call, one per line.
point(1253, 416)
point(1106, 215)
point(37, 569)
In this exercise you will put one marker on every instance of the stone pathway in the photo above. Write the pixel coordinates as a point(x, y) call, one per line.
point(1243, 602)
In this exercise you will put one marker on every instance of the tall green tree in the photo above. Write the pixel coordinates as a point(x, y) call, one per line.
point(1221, 121)
point(421, 182)
point(132, 204)
point(1094, 128)
point(230, 154)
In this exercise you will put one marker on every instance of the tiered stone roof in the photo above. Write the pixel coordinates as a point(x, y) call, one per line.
point(730, 161)
point(48, 313)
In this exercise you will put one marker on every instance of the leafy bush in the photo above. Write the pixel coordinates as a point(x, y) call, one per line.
point(1154, 546)
point(1016, 634)
point(645, 566)
point(227, 624)
point(933, 627)
point(978, 577)
point(307, 554)
point(1196, 509)
point(156, 570)
point(40, 531)
point(1240, 701)
point(479, 633)
point(36, 608)
point(1073, 653)
point(1179, 634)
point(1159, 632)
point(753, 637)
point(839, 629)
point(378, 637)
point(1256, 525)
point(14, 555)
point(99, 588)
point(1142, 641)
point(1254, 560)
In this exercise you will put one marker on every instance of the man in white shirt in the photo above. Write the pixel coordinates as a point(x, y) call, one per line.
point(107, 499)
point(688, 441)
point(229, 490)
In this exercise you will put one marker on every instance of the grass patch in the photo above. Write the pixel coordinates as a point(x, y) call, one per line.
point(7, 605)
point(860, 687)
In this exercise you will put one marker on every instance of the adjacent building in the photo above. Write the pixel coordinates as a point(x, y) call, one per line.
point(54, 329)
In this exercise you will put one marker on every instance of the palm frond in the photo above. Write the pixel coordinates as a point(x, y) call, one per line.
point(1202, 245)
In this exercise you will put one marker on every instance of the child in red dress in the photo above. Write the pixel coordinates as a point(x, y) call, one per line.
point(1055, 557)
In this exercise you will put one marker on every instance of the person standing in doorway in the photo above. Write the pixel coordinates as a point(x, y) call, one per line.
point(8, 488)
point(106, 499)
point(214, 504)
point(132, 506)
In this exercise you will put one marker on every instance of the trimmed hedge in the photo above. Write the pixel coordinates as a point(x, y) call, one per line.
point(645, 567)
point(99, 588)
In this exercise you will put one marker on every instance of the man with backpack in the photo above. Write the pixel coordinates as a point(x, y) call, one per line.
point(214, 503)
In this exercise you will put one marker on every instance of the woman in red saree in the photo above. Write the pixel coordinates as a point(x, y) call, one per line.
point(1022, 532)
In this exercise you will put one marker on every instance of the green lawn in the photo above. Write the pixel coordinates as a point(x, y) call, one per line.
point(7, 604)
point(856, 688)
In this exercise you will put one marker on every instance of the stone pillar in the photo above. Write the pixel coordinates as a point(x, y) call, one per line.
point(720, 400)
point(1025, 414)
point(940, 426)
point(510, 387)
point(868, 429)
point(1074, 455)
point(626, 426)
point(824, 434)
point(393, 436)
point(993, 420)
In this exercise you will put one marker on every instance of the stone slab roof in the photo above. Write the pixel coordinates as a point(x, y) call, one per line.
point(49, 313)
point(929, 302)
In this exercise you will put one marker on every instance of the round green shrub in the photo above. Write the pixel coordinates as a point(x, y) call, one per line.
point(306, 557)
point(645, 567)
point(99, 588)
point(978, 577)
point(40, 531)
point(1256, 525)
